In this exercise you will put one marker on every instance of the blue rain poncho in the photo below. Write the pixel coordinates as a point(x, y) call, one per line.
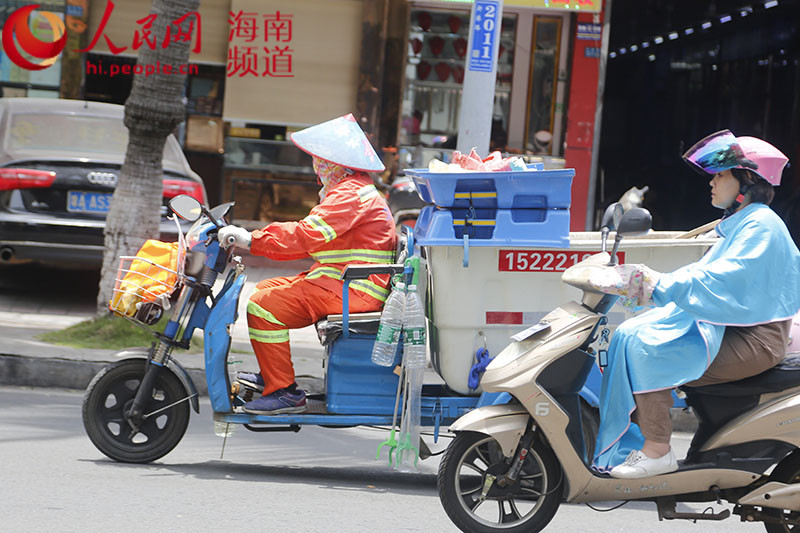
point(750, 276)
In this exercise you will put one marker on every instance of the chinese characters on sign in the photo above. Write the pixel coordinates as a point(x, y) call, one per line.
point(177, 30)
point(481, 56)
point(265, 50)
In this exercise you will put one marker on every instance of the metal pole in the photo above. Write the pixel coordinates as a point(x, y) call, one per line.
point(598, 116)
point(477, 102)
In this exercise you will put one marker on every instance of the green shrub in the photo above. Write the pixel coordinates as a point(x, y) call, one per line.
point(109, 333)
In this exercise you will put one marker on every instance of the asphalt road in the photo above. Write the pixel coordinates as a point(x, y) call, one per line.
point(318, 480)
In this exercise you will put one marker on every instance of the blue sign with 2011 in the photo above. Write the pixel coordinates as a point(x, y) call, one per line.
point(487, 16)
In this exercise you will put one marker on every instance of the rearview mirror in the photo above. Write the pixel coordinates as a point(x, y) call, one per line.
point(186, 207)
point(612, 216)
point(610, 221)
point(636, 221)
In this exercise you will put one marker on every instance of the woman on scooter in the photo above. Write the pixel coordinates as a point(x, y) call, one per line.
point(723, 318)
point(351, 225)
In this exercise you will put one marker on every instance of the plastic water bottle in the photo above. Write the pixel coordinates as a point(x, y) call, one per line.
point(390, 328)
point(414, 331)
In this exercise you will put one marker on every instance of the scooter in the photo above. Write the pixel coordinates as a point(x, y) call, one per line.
point(509, 466)
point(137, 409)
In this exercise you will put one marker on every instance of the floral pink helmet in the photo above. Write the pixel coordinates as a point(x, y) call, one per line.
point(723, 150)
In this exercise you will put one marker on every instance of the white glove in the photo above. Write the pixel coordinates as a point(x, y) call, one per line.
point(234, 235)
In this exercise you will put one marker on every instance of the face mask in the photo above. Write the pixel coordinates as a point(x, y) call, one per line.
point(329, 175)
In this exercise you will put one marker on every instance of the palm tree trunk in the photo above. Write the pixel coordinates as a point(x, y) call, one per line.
point(153, 110)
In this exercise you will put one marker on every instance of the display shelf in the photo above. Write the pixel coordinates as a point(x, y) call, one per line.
point(419, 32)
point(437, 59)
point(450, 85)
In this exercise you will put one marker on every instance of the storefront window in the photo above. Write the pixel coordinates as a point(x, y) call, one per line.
point(269, 180)
point(542, 95)
point(437, 47)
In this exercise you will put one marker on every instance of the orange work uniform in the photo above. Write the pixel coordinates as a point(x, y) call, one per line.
point(352, 225)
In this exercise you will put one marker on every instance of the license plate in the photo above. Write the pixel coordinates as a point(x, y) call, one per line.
point(543, 260)
point(88, 202)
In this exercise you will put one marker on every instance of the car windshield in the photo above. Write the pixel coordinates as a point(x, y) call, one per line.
point(82, 135)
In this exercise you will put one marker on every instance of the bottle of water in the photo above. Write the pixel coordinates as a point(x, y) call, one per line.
point(390, 328)
point(414, 331)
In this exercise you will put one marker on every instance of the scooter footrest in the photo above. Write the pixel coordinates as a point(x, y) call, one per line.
point(666, 511)
point(672, 515)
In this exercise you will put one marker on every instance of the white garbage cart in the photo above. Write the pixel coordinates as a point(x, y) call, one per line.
point(506, 288)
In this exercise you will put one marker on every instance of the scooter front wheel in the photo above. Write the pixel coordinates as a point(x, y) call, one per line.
point(475, 502)
point(109, 396)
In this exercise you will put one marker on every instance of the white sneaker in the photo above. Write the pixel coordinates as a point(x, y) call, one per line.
point(638, 465)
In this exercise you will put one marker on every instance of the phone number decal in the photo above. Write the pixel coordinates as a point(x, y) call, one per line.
point(543, 260)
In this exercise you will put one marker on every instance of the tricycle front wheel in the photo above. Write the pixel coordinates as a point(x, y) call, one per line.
point(110, 395)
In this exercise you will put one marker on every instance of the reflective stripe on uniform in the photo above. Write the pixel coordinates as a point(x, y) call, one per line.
point(331, 272)
point(269, 336)
point(367, 192)
point(372, 289)
point(345, 256)
point(256, 310)
point(319, 224)
point(361, 285)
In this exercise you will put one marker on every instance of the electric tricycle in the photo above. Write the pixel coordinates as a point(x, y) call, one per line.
point(137, 409)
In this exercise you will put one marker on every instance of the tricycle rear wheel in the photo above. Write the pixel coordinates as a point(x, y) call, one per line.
point(111, 393)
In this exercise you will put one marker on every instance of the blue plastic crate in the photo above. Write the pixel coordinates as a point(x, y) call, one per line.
point(508, 227)
point(356, 385)
point(534, 189)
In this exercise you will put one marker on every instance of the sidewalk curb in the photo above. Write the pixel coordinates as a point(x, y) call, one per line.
point(47, 372)
point(62, 373)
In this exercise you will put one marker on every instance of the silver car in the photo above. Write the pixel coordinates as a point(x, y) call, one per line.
point(59, 163)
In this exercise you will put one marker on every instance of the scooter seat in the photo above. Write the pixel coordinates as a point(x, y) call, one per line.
point(330, 328)
point(716, 405)
point(782, 377)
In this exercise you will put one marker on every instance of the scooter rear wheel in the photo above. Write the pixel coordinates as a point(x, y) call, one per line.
point(527, 505)
point(786, 472)
point(110, 394)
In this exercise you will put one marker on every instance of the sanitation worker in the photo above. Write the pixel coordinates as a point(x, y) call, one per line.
point(721, 319)
point(351, 225)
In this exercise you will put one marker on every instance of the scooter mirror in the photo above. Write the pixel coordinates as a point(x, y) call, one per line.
point(610, 221)
point(636, 221)
point(612, 216)
point(186, 207)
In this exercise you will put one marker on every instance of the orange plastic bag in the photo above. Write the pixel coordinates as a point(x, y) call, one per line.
point(150, 276)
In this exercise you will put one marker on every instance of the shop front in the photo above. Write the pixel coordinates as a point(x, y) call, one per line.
point(297, 66)
point(545, 90)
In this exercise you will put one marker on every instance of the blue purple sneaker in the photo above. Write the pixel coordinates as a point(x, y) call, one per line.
point(251, 380)
point(280, 401)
